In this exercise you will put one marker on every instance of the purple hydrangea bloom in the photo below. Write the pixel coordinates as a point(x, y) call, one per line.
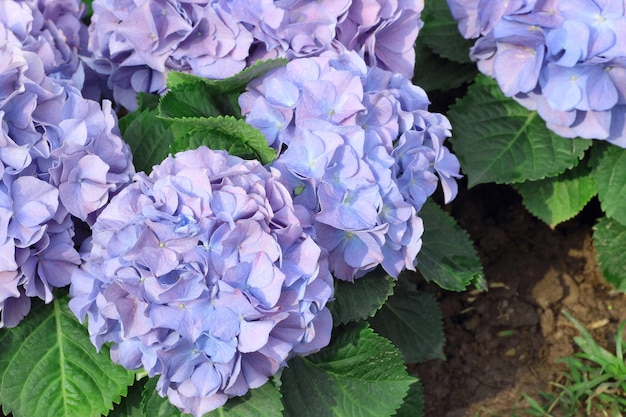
point(50, 28)
point(565, 59)
point(134, 43)
point(51, 139)
point(360, 153)
point(202, 273)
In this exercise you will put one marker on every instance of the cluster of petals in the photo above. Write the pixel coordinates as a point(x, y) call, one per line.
point(134, 43)
point(564, 58)
point(60, 159)
point(202, 273)
point(53, 30)
point(360, 153)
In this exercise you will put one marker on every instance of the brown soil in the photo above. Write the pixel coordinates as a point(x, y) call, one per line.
point(505, 341)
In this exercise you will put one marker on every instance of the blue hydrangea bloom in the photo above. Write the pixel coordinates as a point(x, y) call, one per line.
point(360, 153)
point(134, 43)
point(203, 274)
point(61, 158)
point(565, 59)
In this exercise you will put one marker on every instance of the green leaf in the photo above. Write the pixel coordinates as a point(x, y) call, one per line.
point(498, 140)
point(189, 100)
point(153, 405)
point(609, 173)
point(433, 72)
point(130, 406)
point(223, 132)
point(447, 257)
point(49, 368)
point(609, 238)
point(359, 374)
point(412, 321)
point(413, 405)
point(260, 402)
point(360, 299)
point(441, 34)
point(235, 84)
point(556, 199)
point(148, 136)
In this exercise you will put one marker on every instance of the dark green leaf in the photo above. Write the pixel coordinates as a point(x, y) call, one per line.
point(148, 136)
point(609, 239)
point(413, 405)
point(556, 199)
point(153, 405)
point(413, 322)
point(49, 368)
point(224, 132)
point(130, 406)
point(188, 100)
point(260, 402)
point(433, 72)
point(359, 374)
point(441, 34)
point(447, 257)
point(498, 140)
point(609, 173)
point(360, 299)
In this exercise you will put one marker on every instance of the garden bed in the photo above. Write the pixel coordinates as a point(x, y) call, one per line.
point(504, 342)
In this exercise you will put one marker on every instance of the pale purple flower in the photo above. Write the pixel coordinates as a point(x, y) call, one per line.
point(359, 152)
point(561, 58)
point(202, 273)
point(61, 157)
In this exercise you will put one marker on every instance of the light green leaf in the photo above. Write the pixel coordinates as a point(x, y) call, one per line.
point(556, 199)
point(609, 173)
point(447, 257)
point(412, 321)
point(360, 299)
point(223, 132)
point(359, 374)
point(148, 136)
point(413, 405)
point(259, 402)
point(49, 368)
point(433, 72)
point(237, 83)
point(441, 34)
point(609, 239)
point(498, 140)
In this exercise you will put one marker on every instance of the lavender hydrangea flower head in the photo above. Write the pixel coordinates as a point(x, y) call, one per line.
point(202, 273)
point(135, 43)
point(50, 28)
point(565, 59)
point(60, 156)
point(362, 155)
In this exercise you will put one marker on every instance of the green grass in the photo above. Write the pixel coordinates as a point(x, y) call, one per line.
point(593, 385)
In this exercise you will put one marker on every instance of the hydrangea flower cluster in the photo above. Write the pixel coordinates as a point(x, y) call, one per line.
point(360, 153)
point(52, 29)
point(565, 59)
point(201, 273)
point(60, 157)
point(136, 42)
